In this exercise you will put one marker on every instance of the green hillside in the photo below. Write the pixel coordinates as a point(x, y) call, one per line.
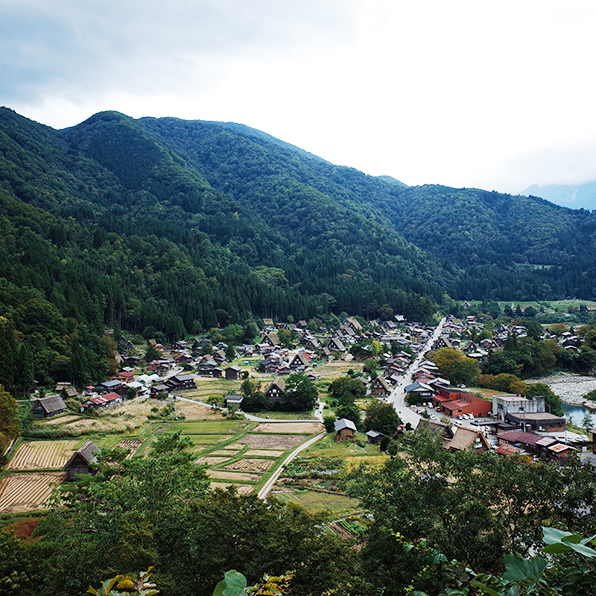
point(172, 226)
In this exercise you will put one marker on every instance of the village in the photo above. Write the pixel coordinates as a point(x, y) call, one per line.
point(197, 386)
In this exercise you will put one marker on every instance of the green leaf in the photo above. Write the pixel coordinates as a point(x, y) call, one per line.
point(552, 535)
point(233, 584)
point(484, 588)
point(516, 568)
point(536, 567)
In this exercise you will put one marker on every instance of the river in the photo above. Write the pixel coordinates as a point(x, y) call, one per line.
point(571, 389)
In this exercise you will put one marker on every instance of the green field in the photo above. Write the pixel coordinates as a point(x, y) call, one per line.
point(212, 426)
point(335, 505)
point(328, 447)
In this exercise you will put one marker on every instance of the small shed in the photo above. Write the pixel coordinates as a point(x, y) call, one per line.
point(233, 400)
point(80, 461)
point(374, 436)
point(344, 430)
point(45, 407)
point(233, 373)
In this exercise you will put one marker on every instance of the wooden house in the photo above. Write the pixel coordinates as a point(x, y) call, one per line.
point(467, 438)
point(45, 407)
point(233, 373)
point(276, 391)
point(374, 437)
point(379, 388)
point(344, 430)
point(80, 461)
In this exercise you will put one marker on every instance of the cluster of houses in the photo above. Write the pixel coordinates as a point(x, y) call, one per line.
point(458, 333)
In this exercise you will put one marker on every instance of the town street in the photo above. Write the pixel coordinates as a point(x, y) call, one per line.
point(397, 397)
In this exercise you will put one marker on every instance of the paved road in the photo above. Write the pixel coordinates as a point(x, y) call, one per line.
point(269, 484)
point(397, 397)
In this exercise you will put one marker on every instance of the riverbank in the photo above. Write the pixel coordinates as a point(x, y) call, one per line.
point(570, 388)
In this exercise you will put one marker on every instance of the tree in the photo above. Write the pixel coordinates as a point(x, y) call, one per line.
point(469, 506)
point(350, 411)
point(9, 421)
point(382, 418)
point(96, 520)
point(302, 393)
point(329, 423)
point(151, 354)
point(346, 389)
point(454, 365)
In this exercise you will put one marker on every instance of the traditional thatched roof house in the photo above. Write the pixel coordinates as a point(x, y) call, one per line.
point(80, 461)
point(467, 438)
point(276, 390)
point(45, 407)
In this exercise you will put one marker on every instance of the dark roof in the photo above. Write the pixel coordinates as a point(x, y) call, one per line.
point(87, 452)
point(515, 436)
point(51, 404)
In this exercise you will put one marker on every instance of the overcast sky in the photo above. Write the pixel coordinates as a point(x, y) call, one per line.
point(495, 95)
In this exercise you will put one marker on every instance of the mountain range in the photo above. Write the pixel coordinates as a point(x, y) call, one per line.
point(161, 225)
point(575, 196)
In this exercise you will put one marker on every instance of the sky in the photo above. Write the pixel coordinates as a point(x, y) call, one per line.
point(493, 95)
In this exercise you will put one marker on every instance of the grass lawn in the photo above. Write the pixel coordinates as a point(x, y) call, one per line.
point(320, 502)
point(328, 447)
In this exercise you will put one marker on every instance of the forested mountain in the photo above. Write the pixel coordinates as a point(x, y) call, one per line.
point(178, 226)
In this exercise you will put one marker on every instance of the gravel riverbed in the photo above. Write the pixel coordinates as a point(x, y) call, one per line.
point(570, 388)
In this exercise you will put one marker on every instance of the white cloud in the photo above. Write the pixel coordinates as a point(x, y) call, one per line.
point(464, 93)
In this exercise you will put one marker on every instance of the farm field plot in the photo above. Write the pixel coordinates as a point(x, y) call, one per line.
point(62, 420)
point(225, 451)
point(213, 426)
point(327, 447)
point(318, 502)
point(264, 452)
point(202, 441)
point(131, 444)
point(20, 493)
point(282, 442)
point(221, 475)
point(196, 411)
point(126, 417)
point(211, 461)
point(251, 465)
point(42, 455)
point(289, 427)
point(243, 489)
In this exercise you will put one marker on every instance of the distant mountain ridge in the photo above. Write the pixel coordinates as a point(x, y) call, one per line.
point(574, 196)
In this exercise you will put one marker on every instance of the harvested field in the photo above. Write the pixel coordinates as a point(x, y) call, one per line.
point(132, 444)
point(62, 420)
point(221, 475)
point(197, 411)
point(272, 441)
point(20, 493)
point(251, 465)
point(264, 452)
point(235, 446)
point(211, 461)
point(290, 427)
point(228, 452)
point(125, 417)
point(243, 489)
point(42, 455)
